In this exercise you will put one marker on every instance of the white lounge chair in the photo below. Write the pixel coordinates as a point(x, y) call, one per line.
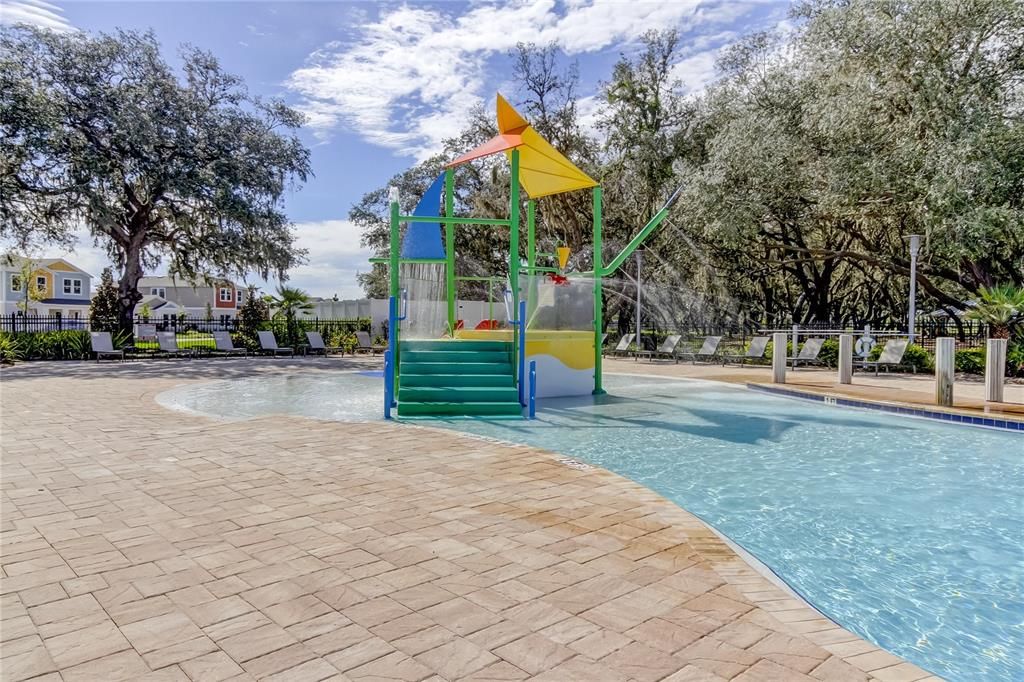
point(755, 351)
point(223, 345)
point(169, 346)
point(808, 354)
point(317, 345)
point(103, 346)
point(622, 347)
point(268, 342)
point(667, 347)
point(891, 356)
point(707, 351)
point(365, 345)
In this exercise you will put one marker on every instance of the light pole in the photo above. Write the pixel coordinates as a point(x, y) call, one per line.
point(915, 248)
point(639, 265)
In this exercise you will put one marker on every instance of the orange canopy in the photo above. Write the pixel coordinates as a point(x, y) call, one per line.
point(543, 170)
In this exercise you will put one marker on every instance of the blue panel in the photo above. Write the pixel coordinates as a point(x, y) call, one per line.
point(423, 240)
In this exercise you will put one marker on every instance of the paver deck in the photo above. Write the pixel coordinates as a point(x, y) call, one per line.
point(141, 543)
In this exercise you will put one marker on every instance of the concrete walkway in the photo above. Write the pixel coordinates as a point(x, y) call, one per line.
point(140, 543)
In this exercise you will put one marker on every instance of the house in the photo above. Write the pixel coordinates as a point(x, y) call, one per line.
point(58, 288)
point(167, 297)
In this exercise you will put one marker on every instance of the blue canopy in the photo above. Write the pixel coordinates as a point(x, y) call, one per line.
point(423, 240)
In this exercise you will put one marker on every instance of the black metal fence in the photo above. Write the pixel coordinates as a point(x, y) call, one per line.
point(180, 325)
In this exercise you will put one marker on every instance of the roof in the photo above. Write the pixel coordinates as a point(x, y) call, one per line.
point(543, 170)
point(55, 264)
point(181, 283)
point(65, 301)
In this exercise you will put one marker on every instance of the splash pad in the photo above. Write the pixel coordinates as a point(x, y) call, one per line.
point(551, 342)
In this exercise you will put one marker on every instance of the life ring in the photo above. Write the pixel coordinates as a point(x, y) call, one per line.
point(864, 345)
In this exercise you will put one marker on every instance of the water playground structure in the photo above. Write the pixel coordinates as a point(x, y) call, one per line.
point(552, 344)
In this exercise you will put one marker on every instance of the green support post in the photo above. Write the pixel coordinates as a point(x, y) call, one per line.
point(393, 253)
point(513, 259)
point(598, 317)
point(449, 247)
point(531, 254)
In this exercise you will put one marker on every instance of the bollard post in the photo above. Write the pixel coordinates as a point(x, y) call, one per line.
point(533, 389)
point(846, 358)
point(779, 358)
point(945, 367)
point(995, 369)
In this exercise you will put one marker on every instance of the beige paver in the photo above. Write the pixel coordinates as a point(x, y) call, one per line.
point(141, 543)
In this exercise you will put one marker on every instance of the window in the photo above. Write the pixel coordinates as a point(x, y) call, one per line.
point(73, 286)
point(158, 291)
point(15, 282)
point(75, 315)
point(225, 294)
point(40, 283)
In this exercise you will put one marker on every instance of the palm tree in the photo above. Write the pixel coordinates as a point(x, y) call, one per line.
point(1001, 306)
point(287, 304)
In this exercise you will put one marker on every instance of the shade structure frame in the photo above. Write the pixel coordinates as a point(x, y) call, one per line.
point(543, 170)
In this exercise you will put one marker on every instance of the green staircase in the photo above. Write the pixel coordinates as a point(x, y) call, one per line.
point(457, 378)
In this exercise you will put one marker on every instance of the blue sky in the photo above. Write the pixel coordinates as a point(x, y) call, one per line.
point(383, 83)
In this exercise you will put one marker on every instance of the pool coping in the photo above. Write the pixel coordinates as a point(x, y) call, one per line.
point(833, 400)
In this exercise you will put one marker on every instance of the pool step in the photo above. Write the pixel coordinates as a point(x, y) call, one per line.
point(450, 409)
point(415, 356)
point(440, 380)
point(458, 394)
point(452, 378)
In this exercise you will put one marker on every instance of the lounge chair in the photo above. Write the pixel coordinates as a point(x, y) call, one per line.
point(169, 346)
point(268, 342)
point(223, 345)
point(365, 345)
point(808, 354)
point(102, 346)
point(755, 351)
point(707, 351)
point(622, 348)
point(667, 347)
point(891, 356)
point(316, 344)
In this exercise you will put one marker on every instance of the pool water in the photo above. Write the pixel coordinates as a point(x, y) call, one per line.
point(905, 531)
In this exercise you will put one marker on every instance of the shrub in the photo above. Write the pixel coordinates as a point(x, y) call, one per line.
point(1015, 359)
point(769, 349)
point(970, 360)
point(9, 350)
point(918, 357)
point(829, 354)
point(55, 345)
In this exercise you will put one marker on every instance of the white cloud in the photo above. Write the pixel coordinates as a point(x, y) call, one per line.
point(411, 76)
point(335, 258)
point(35, 12)
point(697, 71)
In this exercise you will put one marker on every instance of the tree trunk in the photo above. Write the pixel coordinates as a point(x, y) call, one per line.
point(999, 331)
point(128, 289)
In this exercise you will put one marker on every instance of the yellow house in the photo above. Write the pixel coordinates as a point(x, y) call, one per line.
point(56, 287)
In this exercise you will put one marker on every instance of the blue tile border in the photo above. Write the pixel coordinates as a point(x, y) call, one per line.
point(969, 420)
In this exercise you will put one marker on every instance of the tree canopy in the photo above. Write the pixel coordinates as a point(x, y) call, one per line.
point(804, 166)
point(157, 164)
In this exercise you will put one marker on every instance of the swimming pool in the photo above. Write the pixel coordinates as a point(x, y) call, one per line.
point(905, 531)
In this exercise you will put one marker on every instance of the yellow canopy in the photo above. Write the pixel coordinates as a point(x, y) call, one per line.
point(543, 170)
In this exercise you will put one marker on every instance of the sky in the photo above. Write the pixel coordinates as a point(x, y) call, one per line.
point(382, 84)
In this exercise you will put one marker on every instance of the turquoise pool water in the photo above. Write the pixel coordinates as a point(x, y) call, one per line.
point(906, 531)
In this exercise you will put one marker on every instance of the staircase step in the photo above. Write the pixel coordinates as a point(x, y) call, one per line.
point(454, 356)
point(409, 379)
point(452, 409)
point(420, 367)
point(457, 344)
point(458, 395)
